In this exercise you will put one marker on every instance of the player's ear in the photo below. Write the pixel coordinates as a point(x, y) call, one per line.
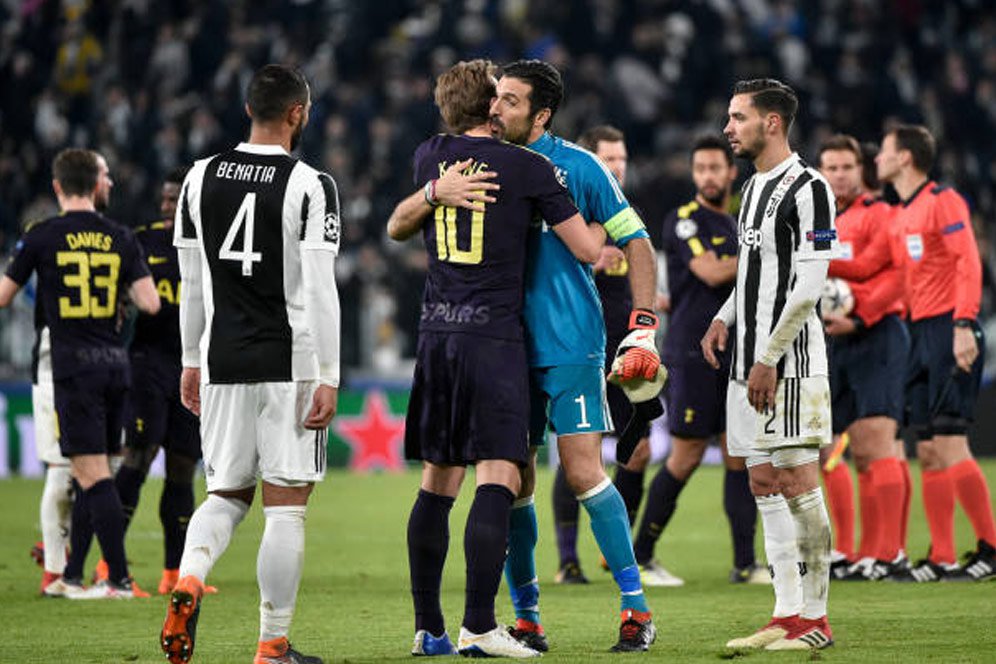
point(542, 117)
point(57, 188)
point(248, 112)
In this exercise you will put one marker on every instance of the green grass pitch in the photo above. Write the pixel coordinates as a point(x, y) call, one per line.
point(354, 604)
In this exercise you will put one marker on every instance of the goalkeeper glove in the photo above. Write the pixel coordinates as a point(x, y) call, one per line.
point(638, 350)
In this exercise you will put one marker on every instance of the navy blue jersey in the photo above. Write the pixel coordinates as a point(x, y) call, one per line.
point(617, 303)
point(690, 231)
point(85, 262)
point(477, 259)
point(160, 333)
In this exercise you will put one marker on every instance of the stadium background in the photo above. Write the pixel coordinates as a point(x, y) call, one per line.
point(157, 84)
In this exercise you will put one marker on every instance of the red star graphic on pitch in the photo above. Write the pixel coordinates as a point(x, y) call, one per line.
point(375, 435)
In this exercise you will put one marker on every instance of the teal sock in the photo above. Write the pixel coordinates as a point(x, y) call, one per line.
point(610, 525)
point(520, 564)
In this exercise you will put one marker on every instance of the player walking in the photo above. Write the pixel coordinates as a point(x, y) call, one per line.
point(944, 286)
point(257, 232)
point(778, 401)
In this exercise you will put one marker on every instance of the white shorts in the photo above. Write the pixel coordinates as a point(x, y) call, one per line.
point(256, 430)
point(43, 410)
point(800, 418)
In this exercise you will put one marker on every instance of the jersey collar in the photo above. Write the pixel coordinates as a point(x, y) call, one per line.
point(916, 193)
point(543, 144)
point(259, 148)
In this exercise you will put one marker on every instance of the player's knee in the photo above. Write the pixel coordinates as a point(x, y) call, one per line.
point(180, 469)
point(928, 456)
point(946, 425)
point(640, 458)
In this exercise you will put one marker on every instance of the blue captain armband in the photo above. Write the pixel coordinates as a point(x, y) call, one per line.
point(626, 225)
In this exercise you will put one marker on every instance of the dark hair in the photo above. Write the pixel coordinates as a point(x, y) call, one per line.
point(548, 87)
point(176, 176)
point(590, 139)
point(842, 143)
point(920, 143)
point(76, 171)
point(273, 90)
point(869, 171)
point(771, 96)
point(713, 142)
point(464, 93)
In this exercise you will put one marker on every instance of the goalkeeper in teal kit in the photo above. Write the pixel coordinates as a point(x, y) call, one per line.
point(566, 348)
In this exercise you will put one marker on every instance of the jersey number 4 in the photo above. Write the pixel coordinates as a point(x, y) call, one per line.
point(246, 216)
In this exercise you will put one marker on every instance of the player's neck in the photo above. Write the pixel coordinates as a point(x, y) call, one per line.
point(908, 181)
point(76, 204)
point(774, 154)
point(480, 131)
point(845, 202)
point(264, 135)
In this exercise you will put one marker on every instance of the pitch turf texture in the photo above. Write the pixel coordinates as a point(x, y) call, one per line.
point(354, 604)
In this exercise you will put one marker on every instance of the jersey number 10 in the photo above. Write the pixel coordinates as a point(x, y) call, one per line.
point(446, 237)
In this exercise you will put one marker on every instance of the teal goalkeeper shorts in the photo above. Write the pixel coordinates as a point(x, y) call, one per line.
point(570, 398)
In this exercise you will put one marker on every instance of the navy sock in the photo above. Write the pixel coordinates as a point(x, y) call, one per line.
point(484, 543)
point(80, 535)
point(428, 542)
point(661, 502)
point(129, 484)
point(630, 487)
point(108, 522)
point(176, 505)
point(565, 518)
point(741, 510)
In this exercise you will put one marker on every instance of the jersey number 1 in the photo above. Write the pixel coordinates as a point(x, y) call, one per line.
point(246, 216)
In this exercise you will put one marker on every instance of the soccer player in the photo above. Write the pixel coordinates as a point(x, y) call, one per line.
point(157, 418)
point(83, 261)
point(870, 350)
point(608, 144)
point(565, 338)
point(944, 286)
point(468, 403)
point(257, 233)
point(778, 400)
point(700, 244)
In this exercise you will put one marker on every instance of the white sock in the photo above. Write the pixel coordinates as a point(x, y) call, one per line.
point(812, 527)
point(782, 553)
point(208, 534)
point(54, 513)
point(278, 569)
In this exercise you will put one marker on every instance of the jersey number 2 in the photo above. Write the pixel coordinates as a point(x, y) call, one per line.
point(246, 216)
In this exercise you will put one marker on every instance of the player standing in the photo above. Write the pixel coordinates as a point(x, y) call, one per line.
point(944, 286)
point(565, 338)
point(867, 366)
point(157, 418)
point(83, 261)
point(700, 245)
point(778, 401)
point(468, 403)
point(611, 270)
point(257, 232)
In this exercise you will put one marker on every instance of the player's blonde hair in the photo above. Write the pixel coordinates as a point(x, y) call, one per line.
point(464, 93)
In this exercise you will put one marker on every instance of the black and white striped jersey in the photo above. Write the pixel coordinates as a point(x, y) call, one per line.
point(259, 301)
point(786, 216)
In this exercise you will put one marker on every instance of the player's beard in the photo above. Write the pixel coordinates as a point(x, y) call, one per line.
point(511, 133)
point(752, 146)
point(101, 201)
point(713, 196)
point(296, 136)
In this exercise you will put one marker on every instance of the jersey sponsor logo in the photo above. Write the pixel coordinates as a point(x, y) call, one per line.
point(455, 314)
point(914, 246)
point(685, 229)
point(718, 239)
point(779, 193)
point(752, 237)
point(953, 228)
point(158, 260)
point(824, 235)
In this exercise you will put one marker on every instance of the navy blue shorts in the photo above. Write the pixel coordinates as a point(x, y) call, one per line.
point(469, 400)
point(90, 411)
point(695, 395)
point(157, 418)
point(938, 394)
point(867, 373)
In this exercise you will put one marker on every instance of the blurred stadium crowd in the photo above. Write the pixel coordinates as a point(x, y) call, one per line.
point(153, 84)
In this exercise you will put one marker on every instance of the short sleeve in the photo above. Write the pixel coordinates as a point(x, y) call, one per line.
point(24, 259)
point(133, 265)
point(548, 191)
point(320, 220)
point(816, 207)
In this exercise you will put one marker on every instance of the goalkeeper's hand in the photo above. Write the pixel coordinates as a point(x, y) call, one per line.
point(637, 355)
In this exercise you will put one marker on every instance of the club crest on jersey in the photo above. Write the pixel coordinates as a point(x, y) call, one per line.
point(685, 229)
point(332, 227)
point(561, 176)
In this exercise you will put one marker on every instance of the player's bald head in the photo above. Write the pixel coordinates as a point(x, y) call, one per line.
point(274, 90)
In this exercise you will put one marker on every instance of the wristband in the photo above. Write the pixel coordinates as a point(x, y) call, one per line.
point(859, 325)
point(429, 192)
point(643, 319)
point(963, 322)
